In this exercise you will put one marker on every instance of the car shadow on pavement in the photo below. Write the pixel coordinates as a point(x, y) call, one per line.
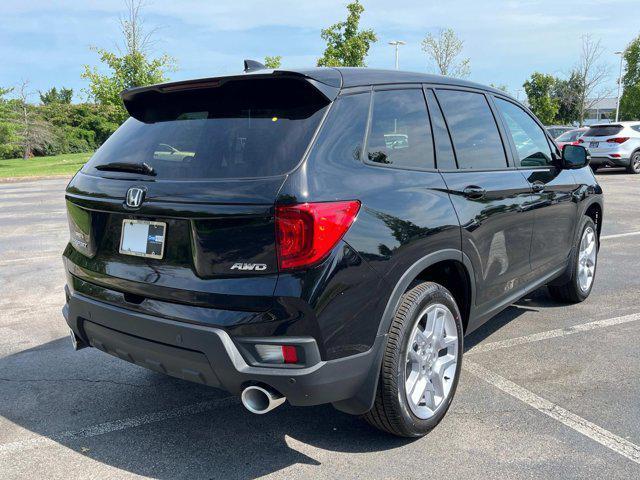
point(535, 301)
point(58, 394)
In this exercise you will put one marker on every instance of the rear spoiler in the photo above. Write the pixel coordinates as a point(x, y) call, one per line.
point(326, 80)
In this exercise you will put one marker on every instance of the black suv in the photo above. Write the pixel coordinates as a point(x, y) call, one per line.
point(322, 235)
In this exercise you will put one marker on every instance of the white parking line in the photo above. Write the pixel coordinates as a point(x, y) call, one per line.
point(619, 235)
point(117, 425)
point(559, 332)
point(571, 420)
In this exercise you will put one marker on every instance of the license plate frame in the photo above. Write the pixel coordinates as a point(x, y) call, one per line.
point(135, 233)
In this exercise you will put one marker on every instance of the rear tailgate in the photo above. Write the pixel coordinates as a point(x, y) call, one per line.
point(210, 161)
point(203, 241)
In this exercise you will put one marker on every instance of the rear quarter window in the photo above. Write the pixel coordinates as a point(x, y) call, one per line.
point(400, 134)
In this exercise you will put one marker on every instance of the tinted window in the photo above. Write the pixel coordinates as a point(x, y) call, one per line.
point(400, 134)
point(343, 131)
point(445, 158)
point(529, 139)
point(603, 131)
point(473, 130)
point(240, 129)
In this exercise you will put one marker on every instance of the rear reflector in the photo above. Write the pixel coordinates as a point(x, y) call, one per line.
point(277, 353)
point(618, 140)
point(307, 232)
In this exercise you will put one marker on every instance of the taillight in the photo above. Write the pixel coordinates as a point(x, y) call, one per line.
point(307, 232)
point(618, 140)
point(580, 140)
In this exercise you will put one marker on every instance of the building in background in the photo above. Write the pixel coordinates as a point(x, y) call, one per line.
point(602, 110)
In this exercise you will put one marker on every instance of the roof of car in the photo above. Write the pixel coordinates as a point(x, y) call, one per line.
point(340, 77)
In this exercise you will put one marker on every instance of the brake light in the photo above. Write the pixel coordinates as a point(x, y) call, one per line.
point(306, 233)
point(618, 140)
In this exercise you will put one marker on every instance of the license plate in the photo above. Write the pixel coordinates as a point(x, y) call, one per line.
point(593, 144)
point(142, 238)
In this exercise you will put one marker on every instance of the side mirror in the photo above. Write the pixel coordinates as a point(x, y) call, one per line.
point(575, 156)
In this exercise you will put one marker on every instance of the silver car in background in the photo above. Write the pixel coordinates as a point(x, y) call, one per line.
point(614, 145)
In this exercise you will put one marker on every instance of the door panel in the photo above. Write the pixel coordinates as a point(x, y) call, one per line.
point(555, 215)
point(552, 188)
point(496, 228)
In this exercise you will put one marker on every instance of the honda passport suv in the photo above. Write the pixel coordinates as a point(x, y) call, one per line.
point(322, 236)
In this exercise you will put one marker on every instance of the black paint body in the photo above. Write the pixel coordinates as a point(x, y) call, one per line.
point(508, 242)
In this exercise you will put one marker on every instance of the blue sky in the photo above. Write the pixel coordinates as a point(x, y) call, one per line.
point(47, 41)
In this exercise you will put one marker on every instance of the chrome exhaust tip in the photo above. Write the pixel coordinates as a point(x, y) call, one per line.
point(261, 400)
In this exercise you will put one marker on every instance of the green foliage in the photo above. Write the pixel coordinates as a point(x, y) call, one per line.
point(273, 62)
point(346, 45)
point(539, 93)
point(133, 69)
point(53, 95)
point(630, 101)
point(567, 93)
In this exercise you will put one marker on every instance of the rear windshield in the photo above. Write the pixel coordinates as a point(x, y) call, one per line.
point(603, 130)
point(240, 129)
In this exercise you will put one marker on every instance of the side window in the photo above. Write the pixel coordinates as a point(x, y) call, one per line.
point(636, 128)
point(342, 135)
point(445, 158)
point(400, 134)
point(529, 139)
point(473, 130)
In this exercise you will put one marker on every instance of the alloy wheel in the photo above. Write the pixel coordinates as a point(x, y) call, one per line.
point(431, 361)
point(587, 259)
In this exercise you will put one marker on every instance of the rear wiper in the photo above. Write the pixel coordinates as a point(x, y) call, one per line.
point(143, 168)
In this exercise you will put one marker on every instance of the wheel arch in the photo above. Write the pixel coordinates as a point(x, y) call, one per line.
point(431, 268)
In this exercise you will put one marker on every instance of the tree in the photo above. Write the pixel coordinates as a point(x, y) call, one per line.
point(273, 62)
point(444, 51)
point(53, 95)
point(590, 74)
point(630, 101)
point(346, 45)
point(567, 92)
point(538, 89)
point(129, 67)
point(33, 133)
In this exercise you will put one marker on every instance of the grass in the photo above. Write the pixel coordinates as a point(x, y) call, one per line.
point(67, 164)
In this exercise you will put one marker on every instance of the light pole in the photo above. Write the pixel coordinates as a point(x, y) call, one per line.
point(397, 43)
point(619, 85)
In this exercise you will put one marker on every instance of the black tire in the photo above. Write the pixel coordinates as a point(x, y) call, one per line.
point(570, 292)
point(391, 412)
point(634, 163)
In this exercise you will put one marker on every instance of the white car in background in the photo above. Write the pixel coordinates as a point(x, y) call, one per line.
point(614, 145)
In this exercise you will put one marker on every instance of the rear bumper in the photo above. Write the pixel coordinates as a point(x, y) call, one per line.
point(208, 355)
point(609, 161)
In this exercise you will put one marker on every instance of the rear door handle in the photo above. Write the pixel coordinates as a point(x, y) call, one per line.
point(537, 186)
point(473, 191)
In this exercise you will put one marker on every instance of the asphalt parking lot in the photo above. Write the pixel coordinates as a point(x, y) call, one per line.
point(547, 390)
